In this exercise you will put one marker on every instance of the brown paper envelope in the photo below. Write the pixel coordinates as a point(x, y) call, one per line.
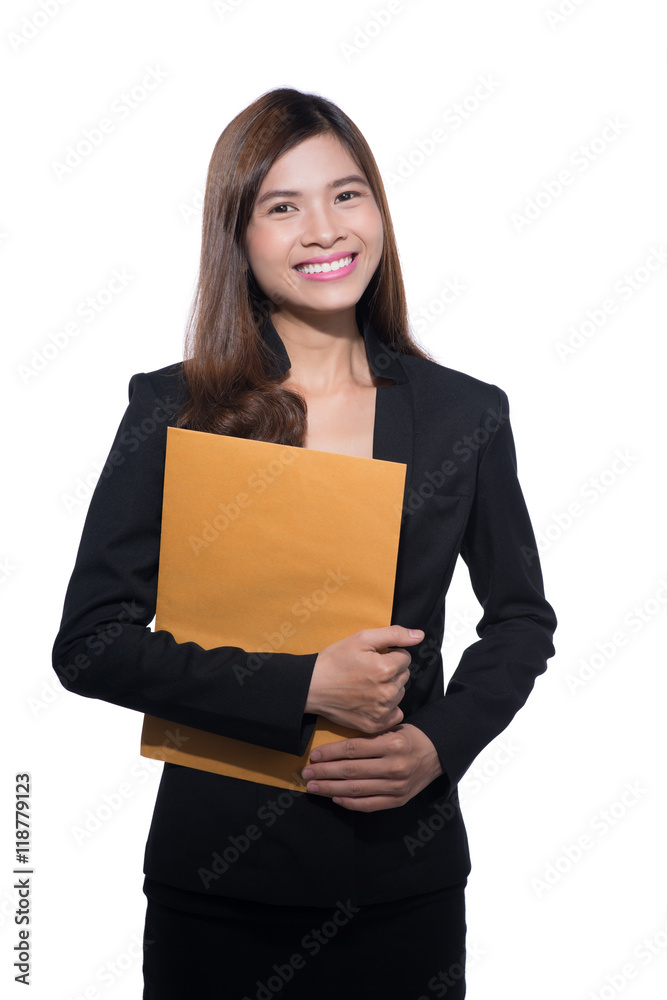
point(270, 548)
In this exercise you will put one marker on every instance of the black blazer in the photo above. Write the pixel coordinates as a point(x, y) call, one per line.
point(220, 836)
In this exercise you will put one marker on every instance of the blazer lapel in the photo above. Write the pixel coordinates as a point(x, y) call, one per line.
point(393, 433)
point(393, 436)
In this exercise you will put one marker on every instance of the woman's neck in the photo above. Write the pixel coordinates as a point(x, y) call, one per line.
point(326, 354)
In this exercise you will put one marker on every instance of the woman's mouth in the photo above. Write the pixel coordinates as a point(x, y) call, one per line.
point(328, 270)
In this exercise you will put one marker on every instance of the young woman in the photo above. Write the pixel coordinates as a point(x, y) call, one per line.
point(299, 335)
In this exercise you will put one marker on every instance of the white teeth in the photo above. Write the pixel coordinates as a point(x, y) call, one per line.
point(334, 265)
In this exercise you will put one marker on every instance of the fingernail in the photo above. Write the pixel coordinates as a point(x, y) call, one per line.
point(315, 755)
point(308, 773)
point(415, 632)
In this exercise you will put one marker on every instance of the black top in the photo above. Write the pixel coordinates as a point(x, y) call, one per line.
point(216, 836)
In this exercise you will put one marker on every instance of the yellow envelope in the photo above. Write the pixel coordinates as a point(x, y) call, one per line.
point(270, 548)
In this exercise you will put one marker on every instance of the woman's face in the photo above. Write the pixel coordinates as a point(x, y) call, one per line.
point(314, 204)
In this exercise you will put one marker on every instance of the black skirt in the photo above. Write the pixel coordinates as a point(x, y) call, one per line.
point(407, 949)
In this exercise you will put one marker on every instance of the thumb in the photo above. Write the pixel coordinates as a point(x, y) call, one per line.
point(396, 635)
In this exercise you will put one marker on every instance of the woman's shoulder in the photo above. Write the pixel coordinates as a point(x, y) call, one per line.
point(437, 382)
point(163, 388)
point(171, 376)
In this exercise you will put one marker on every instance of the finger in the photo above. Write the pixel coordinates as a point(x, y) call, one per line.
point(399, 661)
point(391, 635)
point(358, 746)
point(372, 803)
point(395, 718)
point(401, 674)
point(357, 788)
point(372, 768)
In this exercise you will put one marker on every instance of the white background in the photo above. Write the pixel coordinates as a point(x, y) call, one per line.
point(540, 924)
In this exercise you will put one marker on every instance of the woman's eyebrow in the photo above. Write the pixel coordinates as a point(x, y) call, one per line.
point(341, 182)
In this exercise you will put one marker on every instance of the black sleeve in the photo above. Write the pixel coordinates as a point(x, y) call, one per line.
point(496, 674)
point(105, 648)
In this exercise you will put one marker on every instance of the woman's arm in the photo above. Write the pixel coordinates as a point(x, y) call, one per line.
point(106, 650)
point(496, 674)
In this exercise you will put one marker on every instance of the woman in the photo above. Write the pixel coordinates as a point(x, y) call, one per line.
point(299, 335)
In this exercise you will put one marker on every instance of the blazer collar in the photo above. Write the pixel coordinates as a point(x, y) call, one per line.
point(383, 361)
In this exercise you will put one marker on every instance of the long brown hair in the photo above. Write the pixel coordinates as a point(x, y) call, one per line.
point(231, 387)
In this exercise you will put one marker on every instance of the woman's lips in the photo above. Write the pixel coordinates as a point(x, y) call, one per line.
point(328, 275)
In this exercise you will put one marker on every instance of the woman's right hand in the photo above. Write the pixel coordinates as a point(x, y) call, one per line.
point(357, 686)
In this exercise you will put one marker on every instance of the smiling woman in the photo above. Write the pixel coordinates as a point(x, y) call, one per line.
point(320, 216)
point(299, 335)
point(329, 367)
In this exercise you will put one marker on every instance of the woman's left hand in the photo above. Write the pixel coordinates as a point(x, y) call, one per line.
point(369, 773)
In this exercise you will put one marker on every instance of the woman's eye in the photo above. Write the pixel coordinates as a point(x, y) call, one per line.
point(283, 208)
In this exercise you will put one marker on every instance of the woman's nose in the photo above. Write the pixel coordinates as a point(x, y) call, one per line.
point(322, 226)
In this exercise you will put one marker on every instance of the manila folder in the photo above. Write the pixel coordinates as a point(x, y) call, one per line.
point(271, 548)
